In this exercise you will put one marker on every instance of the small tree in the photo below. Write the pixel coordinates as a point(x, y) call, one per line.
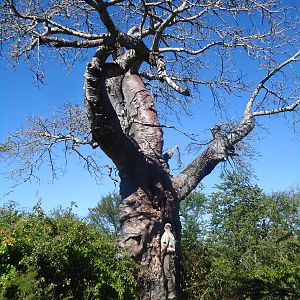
point(174, 49)
point(255, 239)
point(105, 216)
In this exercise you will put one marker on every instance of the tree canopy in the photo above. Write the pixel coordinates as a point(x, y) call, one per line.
point(242, 52)
point(146, 58)
point(179, 48)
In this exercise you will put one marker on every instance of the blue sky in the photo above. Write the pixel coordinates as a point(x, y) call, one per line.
point(277, 167)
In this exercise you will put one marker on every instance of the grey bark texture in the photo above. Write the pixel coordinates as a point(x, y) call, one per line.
point(194, 37)
point(124, 123)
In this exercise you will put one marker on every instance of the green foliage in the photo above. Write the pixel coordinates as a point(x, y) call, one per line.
point(256, 239)
point(192, 212)
point(196, 261)
point(249, 249)
point(58, 256)
point(238, 243)
point(105, 215)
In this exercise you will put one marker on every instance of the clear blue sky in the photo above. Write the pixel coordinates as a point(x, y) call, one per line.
point(277, 168)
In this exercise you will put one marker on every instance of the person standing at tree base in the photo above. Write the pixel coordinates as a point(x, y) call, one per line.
point(168, 255)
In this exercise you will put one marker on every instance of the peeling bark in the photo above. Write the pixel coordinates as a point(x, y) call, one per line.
point(144, 124)
point(125, 124)
point(122, 115)
point(146, 207)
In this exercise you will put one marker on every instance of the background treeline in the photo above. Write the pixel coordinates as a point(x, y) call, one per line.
point(238, 243)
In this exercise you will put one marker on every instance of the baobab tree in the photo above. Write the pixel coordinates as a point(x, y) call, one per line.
point(144, 55)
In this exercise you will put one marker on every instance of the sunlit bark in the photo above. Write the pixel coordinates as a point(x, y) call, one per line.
point(122, 114)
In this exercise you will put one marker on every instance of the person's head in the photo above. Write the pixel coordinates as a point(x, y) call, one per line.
point(168, 227)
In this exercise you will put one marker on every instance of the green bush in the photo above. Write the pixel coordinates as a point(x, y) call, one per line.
point(59, 256)
point(249, 246)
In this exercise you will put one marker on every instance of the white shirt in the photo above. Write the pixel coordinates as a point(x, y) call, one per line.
point(169, 240)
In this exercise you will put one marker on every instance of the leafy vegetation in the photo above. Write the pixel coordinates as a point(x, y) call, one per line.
point(58, 256)
point(249, 249)
point(105, 216)
point(237, 243)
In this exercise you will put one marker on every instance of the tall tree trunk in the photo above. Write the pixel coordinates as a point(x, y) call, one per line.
point(125, 124)
point(143, 212)
point(149, 199)
point(145, 209)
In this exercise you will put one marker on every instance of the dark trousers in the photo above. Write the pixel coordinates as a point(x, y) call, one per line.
point(169, 272)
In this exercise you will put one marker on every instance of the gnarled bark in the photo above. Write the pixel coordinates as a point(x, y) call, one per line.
point(125, 125)
point(122, 115)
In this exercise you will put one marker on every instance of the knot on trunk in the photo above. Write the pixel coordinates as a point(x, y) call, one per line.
point(157, 60)
point(222, 146)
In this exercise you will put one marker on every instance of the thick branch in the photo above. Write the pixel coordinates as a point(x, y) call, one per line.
point(144, 124)
point(278, 110)
point(105, 124)
point(191, 176)
point(223, 144)
point(118, 67)
point(100, 6)
point(221, 148)
point(65, 43)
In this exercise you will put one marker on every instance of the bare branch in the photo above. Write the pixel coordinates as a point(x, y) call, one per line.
point(64, 43)
point(40, 140)
point(222, 146)
point(201, 40)
point(100, 6)
point(263, 81)
point(291, 107)
point(165, 24)
point(196, 52)
point(157, 60)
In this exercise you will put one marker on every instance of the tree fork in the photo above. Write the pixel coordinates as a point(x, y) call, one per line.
point(148, 196)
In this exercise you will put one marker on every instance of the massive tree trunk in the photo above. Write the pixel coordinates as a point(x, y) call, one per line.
point(147, 204)
point(122, 115)
point(125, 125)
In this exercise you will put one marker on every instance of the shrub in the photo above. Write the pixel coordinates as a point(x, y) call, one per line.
point(59, 256)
